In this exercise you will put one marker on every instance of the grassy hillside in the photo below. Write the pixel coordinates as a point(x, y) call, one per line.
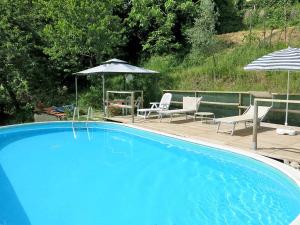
point(195, 71)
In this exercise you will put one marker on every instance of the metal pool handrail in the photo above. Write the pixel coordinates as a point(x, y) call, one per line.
point(76, 111)
point(89, 114)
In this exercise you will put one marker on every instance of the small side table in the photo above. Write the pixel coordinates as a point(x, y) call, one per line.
point(204, 116)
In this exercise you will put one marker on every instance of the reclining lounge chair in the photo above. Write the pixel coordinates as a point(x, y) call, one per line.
point(190, 105)
point(59, 112)
point(156, 107)
point(247, 116)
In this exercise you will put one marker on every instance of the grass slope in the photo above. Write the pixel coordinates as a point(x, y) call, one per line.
point(195, 71)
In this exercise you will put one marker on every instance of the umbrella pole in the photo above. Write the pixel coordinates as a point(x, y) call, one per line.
point(103, 94)
point(76, 91)
point(124, 82)
point(287, 99)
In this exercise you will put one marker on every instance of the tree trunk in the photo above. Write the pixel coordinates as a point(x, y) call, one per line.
point(279, 36)
point(264, 32)
point(271, 34)
point(290, 36)
point(250, 30)
point(285, 23)
point(285, 31)
point(215, 66)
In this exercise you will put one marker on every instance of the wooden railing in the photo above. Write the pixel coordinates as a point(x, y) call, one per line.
point(131, 106)
point(239, 104)
point(255, 118)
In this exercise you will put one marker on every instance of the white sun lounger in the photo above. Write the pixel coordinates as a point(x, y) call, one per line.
point(244, 118)
point(156, 107)
point(190, 105)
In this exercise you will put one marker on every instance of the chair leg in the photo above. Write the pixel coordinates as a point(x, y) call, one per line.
point(218, 128)
point(245, 124)
point(233, 127)
point(171, 117)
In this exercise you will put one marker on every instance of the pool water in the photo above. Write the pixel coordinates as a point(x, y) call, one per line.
point(109, 174)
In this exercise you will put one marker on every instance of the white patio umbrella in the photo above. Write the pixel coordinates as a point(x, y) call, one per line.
point(111, 67)
point(283, 60)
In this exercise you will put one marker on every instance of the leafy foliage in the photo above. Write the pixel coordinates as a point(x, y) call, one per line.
point(161, 24)
point(81, 31)
point(230, 18)
point(17, 63)
point(202, 34)
point(43, 42)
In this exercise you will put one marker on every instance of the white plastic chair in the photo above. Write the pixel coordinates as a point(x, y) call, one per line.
point(156, 107)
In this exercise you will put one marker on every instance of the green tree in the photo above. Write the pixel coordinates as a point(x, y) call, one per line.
point(202, 35)
point(161, 25)
point(251, 18)
point(271, 3)
point(230, 15)
point(18, 54)
point(81, 32)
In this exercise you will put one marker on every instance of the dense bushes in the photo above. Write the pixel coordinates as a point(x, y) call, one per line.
point(43, 42)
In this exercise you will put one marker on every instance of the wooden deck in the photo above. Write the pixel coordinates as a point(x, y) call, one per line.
point(270, 144)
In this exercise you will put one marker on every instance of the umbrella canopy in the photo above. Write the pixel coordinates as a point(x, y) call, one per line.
point(116, 66)
point(283, 60)
point(286, 59)
point(110, 67)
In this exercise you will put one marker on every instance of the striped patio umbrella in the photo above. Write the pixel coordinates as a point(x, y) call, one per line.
point(283, 60)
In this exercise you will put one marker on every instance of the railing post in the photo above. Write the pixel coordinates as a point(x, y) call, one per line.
point(142, 96)
point(255, 123)
point(103, 94)
point(76, 91)
point(132, 107)
point(106, 105)
point(240, 103)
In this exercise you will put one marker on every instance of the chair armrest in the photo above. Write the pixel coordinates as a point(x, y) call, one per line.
point(154, 105)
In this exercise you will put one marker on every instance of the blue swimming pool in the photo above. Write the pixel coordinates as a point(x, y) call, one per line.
point(109, 174)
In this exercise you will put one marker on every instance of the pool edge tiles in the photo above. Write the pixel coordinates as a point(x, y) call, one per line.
point(292, 173)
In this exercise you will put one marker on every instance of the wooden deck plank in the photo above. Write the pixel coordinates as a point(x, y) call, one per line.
point(270, 144)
